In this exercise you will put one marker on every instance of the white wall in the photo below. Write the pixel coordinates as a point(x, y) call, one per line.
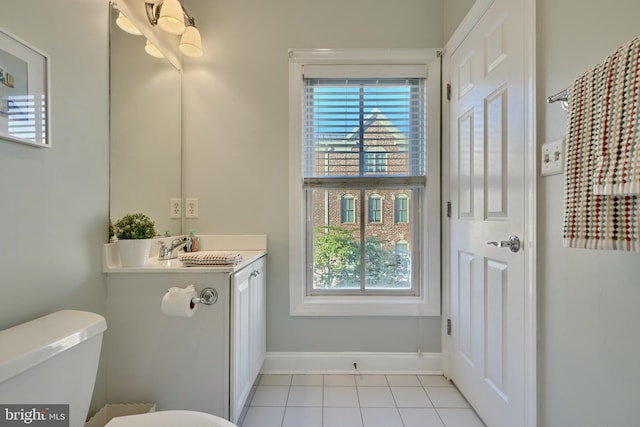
point(236, 140)
point(588, 300)
point(54, 202)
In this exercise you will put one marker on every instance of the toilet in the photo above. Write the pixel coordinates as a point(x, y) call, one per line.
point(53, 360)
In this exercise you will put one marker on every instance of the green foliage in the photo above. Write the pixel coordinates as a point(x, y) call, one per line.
point(381, 264)
point(336, 261)
point(335, 257)
point(112, 230)
point(135, 226)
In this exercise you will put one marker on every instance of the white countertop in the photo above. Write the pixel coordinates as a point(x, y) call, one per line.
point(250, 247)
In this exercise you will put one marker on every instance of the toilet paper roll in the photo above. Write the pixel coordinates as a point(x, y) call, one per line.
point(178, 302)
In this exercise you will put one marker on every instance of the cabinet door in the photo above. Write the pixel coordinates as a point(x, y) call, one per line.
point(241, 381)
point(258, 317)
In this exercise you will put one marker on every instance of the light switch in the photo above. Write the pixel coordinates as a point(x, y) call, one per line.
point(552, 158)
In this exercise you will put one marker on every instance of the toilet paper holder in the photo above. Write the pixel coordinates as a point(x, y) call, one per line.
point(208, 296)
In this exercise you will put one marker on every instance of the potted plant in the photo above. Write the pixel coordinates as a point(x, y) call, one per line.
point(134, 232)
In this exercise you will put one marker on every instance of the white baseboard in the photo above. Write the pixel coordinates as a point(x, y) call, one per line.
point(342, 363)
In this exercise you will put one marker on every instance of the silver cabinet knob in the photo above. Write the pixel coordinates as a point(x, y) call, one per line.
point(513, 243)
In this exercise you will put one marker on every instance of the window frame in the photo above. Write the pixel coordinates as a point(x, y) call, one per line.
point(397, 211)
point(374, 199)
point(343, 212)
point(427, 303)
point(375, 161)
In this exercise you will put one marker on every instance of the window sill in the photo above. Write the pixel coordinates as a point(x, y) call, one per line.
point(362, 306)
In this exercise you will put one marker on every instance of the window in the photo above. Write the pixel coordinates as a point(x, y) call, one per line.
point(401, 209)
point(347, 209)
point(375, 162)
point(402, 249)
point(375, 208)
point(360, 133)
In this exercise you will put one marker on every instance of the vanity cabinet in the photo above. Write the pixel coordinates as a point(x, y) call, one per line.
point(248, 333)
point(207, 362)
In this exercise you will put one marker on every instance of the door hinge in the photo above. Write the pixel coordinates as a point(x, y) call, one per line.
point(449, 209)
point(448, 91)
point(448, 326)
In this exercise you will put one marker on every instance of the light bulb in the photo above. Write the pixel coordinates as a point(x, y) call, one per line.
point(152, 50)
point(126, 25)
point(171, 17)
point(191, 43)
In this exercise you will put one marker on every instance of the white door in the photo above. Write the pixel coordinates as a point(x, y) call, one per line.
point(488, 194)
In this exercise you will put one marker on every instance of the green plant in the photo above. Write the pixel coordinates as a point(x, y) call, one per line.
point(336, 261)
point(135, 226)
point(112, 230)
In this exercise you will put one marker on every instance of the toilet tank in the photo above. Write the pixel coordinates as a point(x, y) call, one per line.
point(52, 360)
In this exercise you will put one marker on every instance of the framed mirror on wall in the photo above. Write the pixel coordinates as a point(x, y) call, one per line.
point(24, 92)
point(146, 132)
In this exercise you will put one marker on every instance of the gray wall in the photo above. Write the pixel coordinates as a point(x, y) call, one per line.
point(454, 13)
point(588, 300)
point(54, 202)
point(236, 140)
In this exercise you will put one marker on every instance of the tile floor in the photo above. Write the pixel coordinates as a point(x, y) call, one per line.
point(358, 401)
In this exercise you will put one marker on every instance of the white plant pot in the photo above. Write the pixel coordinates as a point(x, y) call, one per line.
point(134, 252)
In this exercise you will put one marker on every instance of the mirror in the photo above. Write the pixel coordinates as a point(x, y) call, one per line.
point(146, 132)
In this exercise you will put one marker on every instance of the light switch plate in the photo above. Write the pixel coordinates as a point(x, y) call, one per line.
point(552, 158)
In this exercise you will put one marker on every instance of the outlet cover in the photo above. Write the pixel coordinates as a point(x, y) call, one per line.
point(192, 208)
point(552, 158)
point(175, 208)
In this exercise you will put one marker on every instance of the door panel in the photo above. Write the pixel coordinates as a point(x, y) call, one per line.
point(495, 182)
point(465, 165)
point(496, 289)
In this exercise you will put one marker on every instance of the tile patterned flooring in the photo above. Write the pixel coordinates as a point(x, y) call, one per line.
point(358, 401)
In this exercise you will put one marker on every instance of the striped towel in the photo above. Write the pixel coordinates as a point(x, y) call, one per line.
point(209, 258)
point(618, 143)
point(593, 221)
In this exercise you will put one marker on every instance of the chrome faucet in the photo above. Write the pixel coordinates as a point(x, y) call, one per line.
point(170, 252)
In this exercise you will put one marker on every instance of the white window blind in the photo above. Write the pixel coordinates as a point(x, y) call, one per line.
point(347, 122)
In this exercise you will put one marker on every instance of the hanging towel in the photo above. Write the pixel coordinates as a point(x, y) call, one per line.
point(618, 139)
point(209, 258)
point(593, 221)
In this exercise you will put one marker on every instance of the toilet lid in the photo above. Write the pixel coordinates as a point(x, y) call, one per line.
point(170, 419)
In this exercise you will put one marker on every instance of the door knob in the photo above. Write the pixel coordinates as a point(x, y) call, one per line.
point(513, 243)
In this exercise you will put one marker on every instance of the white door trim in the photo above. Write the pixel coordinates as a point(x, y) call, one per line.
point(530, 188)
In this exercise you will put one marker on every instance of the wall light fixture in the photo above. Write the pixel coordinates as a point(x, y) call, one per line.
point(171, 17)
